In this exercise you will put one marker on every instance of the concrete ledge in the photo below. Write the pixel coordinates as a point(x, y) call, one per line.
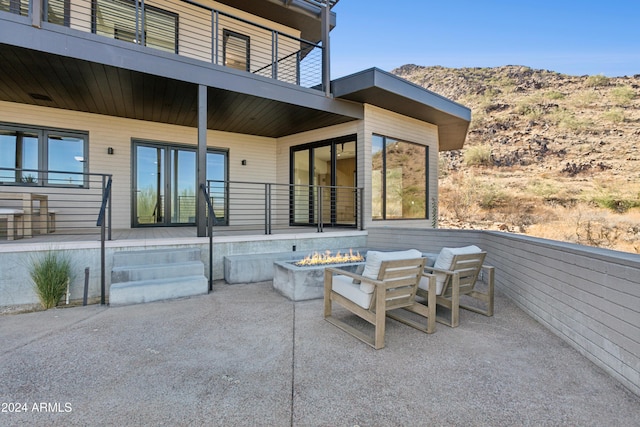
point(130, 273)
point(254, 268)
point(156, 290)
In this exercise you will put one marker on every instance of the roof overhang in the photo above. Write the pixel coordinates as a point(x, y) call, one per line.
point(385, 90)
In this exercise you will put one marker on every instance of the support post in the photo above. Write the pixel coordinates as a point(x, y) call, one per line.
point(326, 54)
point(201, 216)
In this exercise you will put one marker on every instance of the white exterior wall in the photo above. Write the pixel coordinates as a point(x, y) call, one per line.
point(393, 125)
point(285, 143)
point(107, 131)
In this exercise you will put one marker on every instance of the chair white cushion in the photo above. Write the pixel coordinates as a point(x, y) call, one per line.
point(375, 259)
point(424, 283)
point(344, 286)
point(443, 262)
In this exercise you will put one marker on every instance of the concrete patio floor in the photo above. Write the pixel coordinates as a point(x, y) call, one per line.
point(246, 356)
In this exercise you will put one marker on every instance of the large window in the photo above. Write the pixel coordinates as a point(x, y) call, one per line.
point(124, 20)
point(42, 156)
point(399, 179)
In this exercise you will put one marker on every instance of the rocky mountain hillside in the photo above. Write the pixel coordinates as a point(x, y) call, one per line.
point(547, 154)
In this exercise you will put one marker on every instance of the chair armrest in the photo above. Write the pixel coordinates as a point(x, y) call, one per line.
point(438, 270)
point(353, 275)
point(490, 270)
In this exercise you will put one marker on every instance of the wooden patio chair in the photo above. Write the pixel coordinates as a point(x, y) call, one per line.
point(388, 282)
point(457, 271)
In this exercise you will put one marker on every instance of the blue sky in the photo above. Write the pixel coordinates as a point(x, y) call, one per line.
point(573, 37)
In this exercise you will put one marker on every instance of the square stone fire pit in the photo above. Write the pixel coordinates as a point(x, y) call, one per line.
point(300, 283)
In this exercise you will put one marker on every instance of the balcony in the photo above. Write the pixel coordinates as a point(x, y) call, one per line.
point(191, 30)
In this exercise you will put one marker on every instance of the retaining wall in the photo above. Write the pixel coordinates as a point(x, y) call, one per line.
point(590, 297)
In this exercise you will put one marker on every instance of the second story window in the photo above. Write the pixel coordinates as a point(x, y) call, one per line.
point(122, 20)
point(235, 50)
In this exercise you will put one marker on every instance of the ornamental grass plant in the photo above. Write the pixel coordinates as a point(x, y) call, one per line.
point(50, 273)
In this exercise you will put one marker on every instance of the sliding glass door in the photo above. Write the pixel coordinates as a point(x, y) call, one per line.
point(164, 185)
point(324, 178)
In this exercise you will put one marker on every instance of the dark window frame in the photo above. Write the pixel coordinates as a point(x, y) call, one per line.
point(43, 134)
point(175, 16)
point(384, 179)
point(225, 36)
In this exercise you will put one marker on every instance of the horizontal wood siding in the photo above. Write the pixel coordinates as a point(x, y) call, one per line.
point(589, 297)
point(387, 123)
point(118, 133)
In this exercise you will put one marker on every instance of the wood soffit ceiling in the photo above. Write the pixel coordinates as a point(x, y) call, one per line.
point(37, 78)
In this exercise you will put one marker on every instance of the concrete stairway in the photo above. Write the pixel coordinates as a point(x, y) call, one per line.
point(144, 276)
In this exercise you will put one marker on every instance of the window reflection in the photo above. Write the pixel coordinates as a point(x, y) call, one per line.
point(399, 179)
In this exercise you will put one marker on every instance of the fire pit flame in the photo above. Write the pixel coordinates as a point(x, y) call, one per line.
point(318, 258)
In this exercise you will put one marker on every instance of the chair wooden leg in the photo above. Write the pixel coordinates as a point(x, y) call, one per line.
point(327, 293)
point(487, 298)
point(380, 318)
point(455, 300)
point(427, 311)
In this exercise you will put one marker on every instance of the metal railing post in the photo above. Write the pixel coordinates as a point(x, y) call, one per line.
point(267, 208)
point(110, 210)
point(36, 12)
point(102, 250)
point(320, 225)
point(210, 220)
point(274, 55)
point(361, 208)
point(214, 36)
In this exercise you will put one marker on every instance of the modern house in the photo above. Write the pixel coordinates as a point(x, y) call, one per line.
point(156, 116)
point(165, 95)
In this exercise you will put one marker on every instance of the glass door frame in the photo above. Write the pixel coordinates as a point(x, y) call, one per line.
point(167, 168)
point(169, 179)
point(312, 198)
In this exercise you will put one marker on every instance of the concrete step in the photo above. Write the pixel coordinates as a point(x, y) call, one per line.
point(154, 275)
point(130, 273)
point(141, 291)
point(157, 256)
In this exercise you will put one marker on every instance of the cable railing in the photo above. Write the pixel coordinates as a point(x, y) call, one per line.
point(269, 206)
point(189, 29)
point(54, 205)
point(49, 207)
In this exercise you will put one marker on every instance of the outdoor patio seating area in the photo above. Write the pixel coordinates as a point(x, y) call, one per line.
point(206, 360)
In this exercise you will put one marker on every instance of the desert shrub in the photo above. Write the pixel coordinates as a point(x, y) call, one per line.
point(531, 111)
point(597, 232)
point(554, 94)
point(460, 197)
point(569, 121)
point(614, 115)
point(597, 80)
point(544, 189)
point(585, 99)
point(479, 155)
point(622, 95)
point(615, 203)
point(490, 196)
point(50, 273)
